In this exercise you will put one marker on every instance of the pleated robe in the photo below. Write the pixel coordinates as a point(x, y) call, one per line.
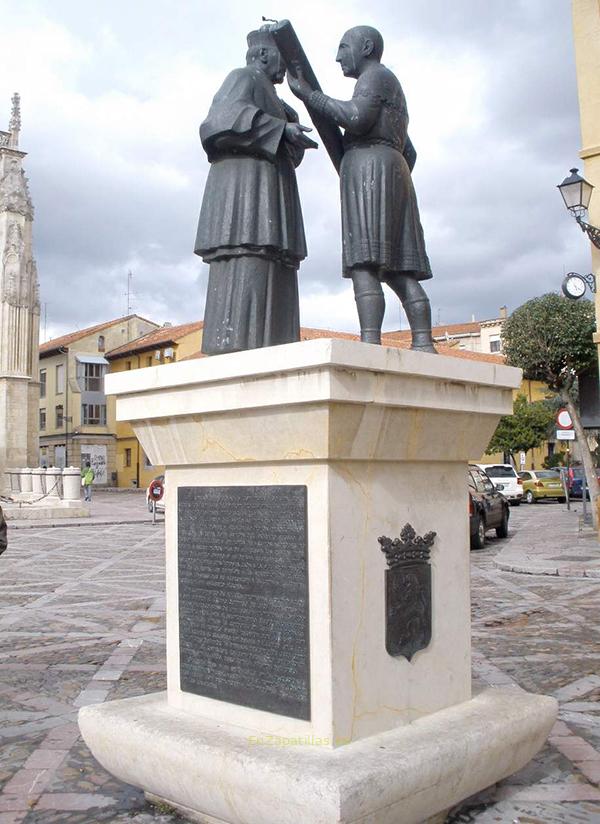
point(250, 229)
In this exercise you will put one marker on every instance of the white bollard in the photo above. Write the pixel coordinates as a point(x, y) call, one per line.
point(54, 481)
point(26, 485)
point(15, 481)
point(71, 483)
point(37, 480)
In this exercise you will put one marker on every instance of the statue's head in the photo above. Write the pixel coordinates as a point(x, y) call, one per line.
point(264, 54)
point(359, 47)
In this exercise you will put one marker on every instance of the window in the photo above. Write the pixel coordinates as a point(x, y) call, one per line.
point(93, 414)
point(59, 423)
point(495, 345)
point(149, 360)
point(92, 377)
point(101, 343)
point(42, 383)
point(128, 457)
point(60, 378)
point(42, 418)
point(147, 464)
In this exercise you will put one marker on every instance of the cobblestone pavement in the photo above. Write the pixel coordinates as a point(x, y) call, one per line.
point(82, 620)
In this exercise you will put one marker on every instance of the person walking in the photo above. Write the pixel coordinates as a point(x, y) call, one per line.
point(87, 479)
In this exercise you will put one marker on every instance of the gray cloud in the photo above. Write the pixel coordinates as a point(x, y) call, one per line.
point(113, 94)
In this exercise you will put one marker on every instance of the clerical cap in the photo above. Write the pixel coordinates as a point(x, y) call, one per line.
point(261, 37)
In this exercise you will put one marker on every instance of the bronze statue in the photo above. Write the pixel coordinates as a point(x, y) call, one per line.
point(382, 237)
point(250, 229)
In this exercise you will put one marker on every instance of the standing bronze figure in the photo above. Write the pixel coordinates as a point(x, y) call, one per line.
point(250, 229)
point(382, 236)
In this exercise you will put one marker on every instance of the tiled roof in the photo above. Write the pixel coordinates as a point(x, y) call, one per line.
point(155, 338)
point(472, 328)
point(307, 333)
point(448, 329)
point(73, 337)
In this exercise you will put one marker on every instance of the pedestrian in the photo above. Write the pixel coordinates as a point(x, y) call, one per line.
point(87, 479)
point(3, 533)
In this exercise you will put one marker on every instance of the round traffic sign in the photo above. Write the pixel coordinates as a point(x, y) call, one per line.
point(563, 419)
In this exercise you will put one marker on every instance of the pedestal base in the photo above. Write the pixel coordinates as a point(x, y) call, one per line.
point(46, 510)
point(223, 775)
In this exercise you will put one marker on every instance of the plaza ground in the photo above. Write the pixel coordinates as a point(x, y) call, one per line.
point(82, 621)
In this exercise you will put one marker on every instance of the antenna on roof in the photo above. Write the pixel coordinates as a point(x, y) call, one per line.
point(129, 293)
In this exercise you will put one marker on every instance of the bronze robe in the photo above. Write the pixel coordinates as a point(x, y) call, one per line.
point(250, 229)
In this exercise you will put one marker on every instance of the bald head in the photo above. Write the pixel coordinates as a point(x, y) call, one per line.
point(370, 37)
point(358, 47)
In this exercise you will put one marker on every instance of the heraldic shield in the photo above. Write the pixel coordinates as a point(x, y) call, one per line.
point(407, 592)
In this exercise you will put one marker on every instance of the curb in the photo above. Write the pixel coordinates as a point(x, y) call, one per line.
point(568, 572)
point(57, 525)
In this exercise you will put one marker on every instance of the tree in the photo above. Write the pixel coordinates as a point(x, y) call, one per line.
point(551, 339)
point(525, 429)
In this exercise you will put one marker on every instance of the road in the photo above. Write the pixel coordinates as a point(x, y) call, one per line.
point(82, 620)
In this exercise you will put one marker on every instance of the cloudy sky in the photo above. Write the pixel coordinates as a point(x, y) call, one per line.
point(113, 93)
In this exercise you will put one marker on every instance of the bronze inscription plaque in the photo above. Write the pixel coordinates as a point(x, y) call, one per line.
point(243, 596)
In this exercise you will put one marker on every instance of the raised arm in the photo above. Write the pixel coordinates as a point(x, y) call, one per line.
point(356, 116)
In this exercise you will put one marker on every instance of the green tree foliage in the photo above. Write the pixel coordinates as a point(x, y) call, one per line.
point(527, 428)
point(551, 339)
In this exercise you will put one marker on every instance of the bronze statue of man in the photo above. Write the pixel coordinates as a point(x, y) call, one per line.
point(382, 237)
point(250, 229)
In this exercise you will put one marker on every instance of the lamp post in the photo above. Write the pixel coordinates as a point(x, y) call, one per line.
point(576, 193)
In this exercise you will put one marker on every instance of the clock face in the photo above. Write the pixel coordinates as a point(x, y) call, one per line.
point(574, 286)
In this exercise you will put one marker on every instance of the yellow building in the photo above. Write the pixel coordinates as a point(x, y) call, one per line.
point(167, 344)
point(75, 424)
point(586, 35)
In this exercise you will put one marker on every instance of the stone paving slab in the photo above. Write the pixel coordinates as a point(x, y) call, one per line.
point(82, 620)
point(553, 543)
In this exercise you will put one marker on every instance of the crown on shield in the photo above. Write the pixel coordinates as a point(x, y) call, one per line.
point(262, 37)
point(408, 548)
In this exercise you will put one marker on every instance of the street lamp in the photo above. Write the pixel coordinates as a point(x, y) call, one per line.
point(576, 193)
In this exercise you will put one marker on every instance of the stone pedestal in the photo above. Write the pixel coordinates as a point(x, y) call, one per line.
point(71, 483)
point(362, 440)
point(38, 480)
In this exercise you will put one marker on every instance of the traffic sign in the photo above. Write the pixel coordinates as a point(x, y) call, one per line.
point(564, 420)
point(565, 435)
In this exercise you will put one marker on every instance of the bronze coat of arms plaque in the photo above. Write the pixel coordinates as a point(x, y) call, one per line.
point(407, 592)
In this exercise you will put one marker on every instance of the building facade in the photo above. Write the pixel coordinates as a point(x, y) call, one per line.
point(19, 307)
point(586, 36)
point(474, 336)
point(167, 344)
point(76, 424)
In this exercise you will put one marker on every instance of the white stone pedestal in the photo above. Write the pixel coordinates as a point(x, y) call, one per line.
point(380, 438)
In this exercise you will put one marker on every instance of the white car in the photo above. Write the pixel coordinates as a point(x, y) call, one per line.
point(505, 476)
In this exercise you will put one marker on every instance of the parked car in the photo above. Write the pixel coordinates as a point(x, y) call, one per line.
point(506, 475)
point(152, 497)
point(488, 508)
point(542, 483)
point(575, 482)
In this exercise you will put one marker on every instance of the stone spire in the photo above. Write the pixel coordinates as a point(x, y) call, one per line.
point(14, 126)
point(19, 307)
